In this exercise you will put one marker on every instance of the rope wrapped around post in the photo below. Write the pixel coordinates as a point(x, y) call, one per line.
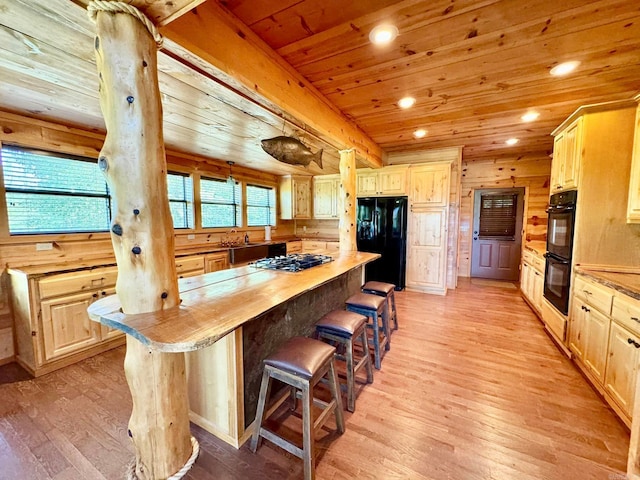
point(121, 7)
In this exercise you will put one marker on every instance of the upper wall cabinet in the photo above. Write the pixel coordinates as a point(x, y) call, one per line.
point(429, 185)
point(633, 209)
point(295, 197)
point(325, 196)
point(384, 181)
point(567, 148)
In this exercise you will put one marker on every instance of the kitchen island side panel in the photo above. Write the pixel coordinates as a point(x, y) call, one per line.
point(297, 317)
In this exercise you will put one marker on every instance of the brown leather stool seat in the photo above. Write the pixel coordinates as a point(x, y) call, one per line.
point(374, 307)
point(341, 326)
point(300, 363)
point(384, 290)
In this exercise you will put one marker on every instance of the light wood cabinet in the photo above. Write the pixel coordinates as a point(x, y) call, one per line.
point(427, 250)
point(52, 328)
point(622, 368)
point(633, 206)
point(189, 266)
point(567, 152)
point(214, 262)
point(532, 279)
point(295, 197)
point(385, 181)
point(429, 185)
point(325, 196)
point(589, 325)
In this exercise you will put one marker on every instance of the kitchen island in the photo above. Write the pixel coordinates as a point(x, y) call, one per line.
point(230, 321)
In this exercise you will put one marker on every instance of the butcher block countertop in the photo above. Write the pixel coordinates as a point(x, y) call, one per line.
point(217, 303)
point(627, 281)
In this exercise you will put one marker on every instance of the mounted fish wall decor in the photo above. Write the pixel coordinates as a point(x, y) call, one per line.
point(291, 150)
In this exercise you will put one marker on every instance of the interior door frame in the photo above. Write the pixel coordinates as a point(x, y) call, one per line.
point(525, 209)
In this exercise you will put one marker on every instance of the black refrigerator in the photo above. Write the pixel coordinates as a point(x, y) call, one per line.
point(382, 228)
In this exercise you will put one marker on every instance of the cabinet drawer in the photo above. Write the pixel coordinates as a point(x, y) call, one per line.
point(626, 311)
point(527, 256)
point(82, 281)
point(308, 246)
point(538, 263)
point(294, 247)
point(189, 264)
point(596, 295)
point(333, 247)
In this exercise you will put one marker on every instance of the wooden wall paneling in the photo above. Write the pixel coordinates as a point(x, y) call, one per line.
point(324, 229)
point(273, 78)
point(531, 174)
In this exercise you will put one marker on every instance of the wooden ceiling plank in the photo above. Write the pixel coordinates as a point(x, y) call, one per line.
point(160, 12)
point(224, 42)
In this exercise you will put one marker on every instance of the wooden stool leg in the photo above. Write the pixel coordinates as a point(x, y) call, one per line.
point(386, 328)
point(376, 341)
point(308, 434)
point(365, 352)
point(335, 391)
point(265, 390)
point(351, 394)
point(395, 312)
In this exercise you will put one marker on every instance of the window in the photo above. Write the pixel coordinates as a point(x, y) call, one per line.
point(498, 216)
point(261, 206)
point(220, 203)
point(54, 193)
point(180, 199)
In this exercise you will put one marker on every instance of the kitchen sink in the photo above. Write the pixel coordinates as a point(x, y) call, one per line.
point(253, 251)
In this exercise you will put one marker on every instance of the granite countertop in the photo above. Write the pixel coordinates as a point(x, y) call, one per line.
point(538, 247)
point(627, 281)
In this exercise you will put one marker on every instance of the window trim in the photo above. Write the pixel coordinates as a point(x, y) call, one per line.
point(188, 203)
point(241, 205)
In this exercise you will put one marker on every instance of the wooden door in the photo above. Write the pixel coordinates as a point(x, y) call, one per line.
point(302, 198)
point(622, 367)
point(426, 252)
point(325, 197)
point(367, 183)
point(557, 164)
point(633, 208)
point(525, 280)
point(393, 181)
point(577, 327)
point(595, 349)
point(537, 290)
point(497, 233)
point(217, 262)
point(429, 186)
point(66, 327)
point(572, 154)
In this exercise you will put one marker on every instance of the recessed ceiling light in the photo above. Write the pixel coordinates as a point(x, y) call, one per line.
point(406, 102)
point(530, 116)
point(512, 141)
point(564, 68)
point(383, 34)
point(420, 133)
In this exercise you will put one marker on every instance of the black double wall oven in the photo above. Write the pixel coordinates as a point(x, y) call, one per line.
point(557, 281)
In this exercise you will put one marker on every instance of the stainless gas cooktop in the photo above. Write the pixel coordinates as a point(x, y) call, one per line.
point(292, 263)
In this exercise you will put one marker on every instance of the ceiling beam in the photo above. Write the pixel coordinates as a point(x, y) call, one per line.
point(160, 12)
point(244, 61)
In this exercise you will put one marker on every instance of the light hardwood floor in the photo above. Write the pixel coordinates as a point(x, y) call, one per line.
point(472, 388)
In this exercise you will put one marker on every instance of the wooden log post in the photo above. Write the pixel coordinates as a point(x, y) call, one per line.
point(347, 201)
point(133, 161)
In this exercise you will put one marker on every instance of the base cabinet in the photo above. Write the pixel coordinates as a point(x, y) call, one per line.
point(532, 279)
point(427, 250)
point(622, 367)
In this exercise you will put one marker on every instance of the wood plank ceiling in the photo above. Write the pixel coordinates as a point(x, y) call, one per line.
point(474, 68)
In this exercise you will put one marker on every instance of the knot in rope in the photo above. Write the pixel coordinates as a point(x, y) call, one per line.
point(121, 7)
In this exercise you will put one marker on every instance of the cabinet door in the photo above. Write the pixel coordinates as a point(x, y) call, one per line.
point(393, 181)
point(573, 154)
point(525, 278)
point(325, 198)
point(66, 327)
point(537, 290)
point(633, 207)
point(595, 348)
point(426, 257)
point(301, 198)
point(214, 263)
point(576, 329)
point(367, 183)
point(429, 186)
point(620, 379)
point(557, 165)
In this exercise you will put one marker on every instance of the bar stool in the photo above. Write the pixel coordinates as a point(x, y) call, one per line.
point(342, 327)
point(300, 363)
point(373, 307)
point(384, 290)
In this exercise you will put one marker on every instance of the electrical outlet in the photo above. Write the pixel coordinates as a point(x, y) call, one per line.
point(44, 246)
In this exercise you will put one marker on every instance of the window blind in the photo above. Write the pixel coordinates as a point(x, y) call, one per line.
point(180, 187)
point(261, 206)
point(220, 203)
point(498, 215)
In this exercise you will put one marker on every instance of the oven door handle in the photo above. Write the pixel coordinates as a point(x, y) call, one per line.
point(560, 209)
point(556, 259)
